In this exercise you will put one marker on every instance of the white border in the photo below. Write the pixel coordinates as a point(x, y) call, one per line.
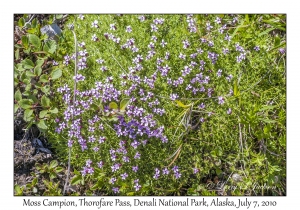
point(8, 8)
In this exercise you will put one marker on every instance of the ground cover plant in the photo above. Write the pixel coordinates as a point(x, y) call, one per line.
point(170, 104)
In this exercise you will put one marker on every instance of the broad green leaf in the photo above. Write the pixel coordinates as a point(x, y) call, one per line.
point(43, 113)
point(33, 98)
point(25, 103)
point(18, 190)
point(235, 89)
point(113, 105)
point(179, 103)
point(124, 103)
point(19, 67)
point(17, 54)
point(37, 71)
point(53, 163)
point(41, 124)
point(95, 187)
point(21, 22)
point(25, 41)
point(34, 40)
point(45, 101)
point(52, 175)
point(26, 81)
point(266, 108)
point(46, 89)
point(30, 74)
point(277, 41)
point(59, 16)
point(18, 95)
point(59, 169)
point(76, 172)
point(34, 181)
point(16, 107)
point(50, 46)
point(34, 23)
point(54, 111)
point(40, 62)
point(130, 193)
point(44, 78)
point(28, 87)
point(218, 171)
point(55, 74)
point(76, 180)
point(28, 115)
point(27, 64)
point(267, 120)
point(16, 81)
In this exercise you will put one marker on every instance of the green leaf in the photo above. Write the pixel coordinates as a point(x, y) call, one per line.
point(30, 74)
point(28, 115)
point(18, 95)
point(45, 101)
point(54, 111)
point(28, 87)
point(130, 193)
point(266, 108)
point(76, 172)
point(55, 74)
point(218, 171)
point(37, 71)
point(21, 22)
point(34, 23)
point(95, 187)
point(34, 40)
point(59, 169)
point(43, 113)
point(124, 103)
point(277, 41)
point(236, 91)
point(46, 89)
point(58, 17)
point(179, 103)
point(25, 41)
point(16, 107)
point(25, 103)
point(41, 124)
point(26, 81)
point(34, 181)
point(267, 120)
point(40, 62)
point(17, 54)
point(265, 32)
point(44, 78)
point(53, 163)
point(19, 190)
point(52, 175)
point(27, 64)
point(113, 105)
point(50, 46)
point(16, 81)
point(76, 180)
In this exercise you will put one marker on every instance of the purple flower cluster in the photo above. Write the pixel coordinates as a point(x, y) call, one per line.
point(176, 172)
point(87, 169)
point(242, 51)
point(191, 23)
point(157, 173)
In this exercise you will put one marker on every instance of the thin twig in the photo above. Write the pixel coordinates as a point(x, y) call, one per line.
point(118, 63)
point(74, 100)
